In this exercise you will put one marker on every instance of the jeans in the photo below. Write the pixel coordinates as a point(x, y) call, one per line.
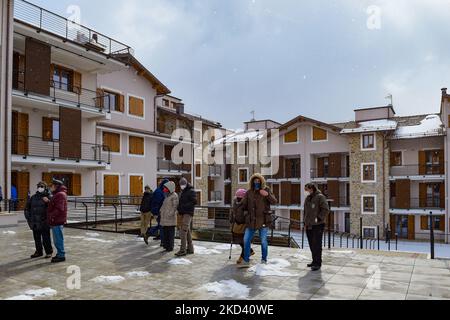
point(315, 239)
point(248, 237)
point(43, 241)
point(58, 240)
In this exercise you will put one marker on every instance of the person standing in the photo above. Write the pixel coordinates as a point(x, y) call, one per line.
point(14, 198)
point(145, 209)
point(316, 210)
point(257, 202)
point(157, 202)
point(186, 209)
point(169, 216)
point(36, 215)
point(57, 217)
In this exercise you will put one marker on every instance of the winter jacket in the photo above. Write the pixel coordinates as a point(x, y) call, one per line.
point(169, 208)
point(57, 208)
point(188, 201)
point(237, 217)
point(316, 209)
point(146, 203)
point(158, 198)
point(258, 207)
point(36, 212)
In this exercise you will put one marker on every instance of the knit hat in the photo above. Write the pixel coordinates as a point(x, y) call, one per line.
point(183, 182)
point(241, 193)
point(171, 186)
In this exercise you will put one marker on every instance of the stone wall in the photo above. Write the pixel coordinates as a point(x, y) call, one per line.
point(201, 220)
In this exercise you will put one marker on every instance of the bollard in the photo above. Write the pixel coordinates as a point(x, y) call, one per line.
point(432, 236)
point(361, 233)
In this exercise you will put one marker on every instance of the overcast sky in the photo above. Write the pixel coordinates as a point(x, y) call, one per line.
point(282, 58)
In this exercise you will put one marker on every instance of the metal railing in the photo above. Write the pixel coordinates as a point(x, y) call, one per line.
point(325, 173)
point(214, 170)
point(418, 203)
point(168, 165)
point(66, 93)
point(215, 196)
point(417, 170)
point(38, 147)
point(46, 21)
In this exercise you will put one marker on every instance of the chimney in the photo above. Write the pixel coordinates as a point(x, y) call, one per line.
point(180, 108)
point(444, 92)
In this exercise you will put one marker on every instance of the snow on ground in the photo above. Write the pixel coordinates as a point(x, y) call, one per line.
point(90, 239)
point(179, 262)
point(226, 247)
point(9, 232)
point(274, 267)
point(36, 293)
point(228, 289)
point(204, 251)
point(92, 235)
point(137, 274)
point(108, 279)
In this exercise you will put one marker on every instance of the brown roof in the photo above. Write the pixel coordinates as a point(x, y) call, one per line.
point(190, 117)
point(305, 119)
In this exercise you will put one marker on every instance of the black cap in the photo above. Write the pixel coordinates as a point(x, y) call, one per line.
point(57, 182)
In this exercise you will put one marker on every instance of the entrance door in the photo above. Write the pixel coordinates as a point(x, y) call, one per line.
point(110, 187)
point(21, 181)
point(136, 188)
point(296, 215)
point(404, 227)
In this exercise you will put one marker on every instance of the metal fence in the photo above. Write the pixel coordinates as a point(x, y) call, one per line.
point(417, 170)
point(168, 165)
point(418, 203)
point(325, 173)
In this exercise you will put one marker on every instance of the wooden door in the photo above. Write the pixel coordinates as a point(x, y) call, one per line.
point(21, 180)
point(285, 193)
point(210, 188)
point(110, 188)
point(76, 185)
point(411, 227)
point(334, 192)
point(70, 134)
point(296, 215)
point(335, 165)
point(20, 125)
point(422, 163)
point(423, 190)
point(442, 195)
point(320, 168)
point(403, 194)
point(136, 188)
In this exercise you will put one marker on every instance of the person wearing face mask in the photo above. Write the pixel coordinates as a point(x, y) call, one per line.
point(316, 210)
point(257, 203)
point(186, 209)
point(169, 212)
point(36, 215)
point(157, 202)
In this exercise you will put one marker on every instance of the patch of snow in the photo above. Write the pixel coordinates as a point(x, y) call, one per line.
point(41, 293)
point(371, 126)
point(204, 251)
point(138, 274)
point(92, 235)
point(108, 279)
point(301, 257)
point(430, 126)
point(274, 267)
point(228, 289)
point(179, 262)
point(90, 239)
point(226, 247)
point(9, 232)
point(155, 247)
point(19, 298)
point(341, 252)
point(240, 136)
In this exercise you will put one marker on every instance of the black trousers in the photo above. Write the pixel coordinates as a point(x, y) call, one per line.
point(315, 239)
point(168, 238)
point(42, 241)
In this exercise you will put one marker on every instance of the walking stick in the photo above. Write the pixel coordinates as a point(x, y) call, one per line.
point(231, 245)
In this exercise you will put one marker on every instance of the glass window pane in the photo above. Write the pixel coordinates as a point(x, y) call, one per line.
point(55, 130)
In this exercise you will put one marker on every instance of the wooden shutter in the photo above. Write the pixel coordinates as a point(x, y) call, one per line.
point(136, 145)
point(22, 133)
point(100, 99)
point(285, 193)
point(403, 194)
point(76, 185)
point(136, 185)
point(198, 170)
point(37, 63)
point(23, 187)
point(441, 156)
point(291, 136)
point(121, 105)
point(76, 87)
point(276, 191)
point(47, 129)
point(424, 222)
point(334, 192)
point(320, 167)
point(319, 134)
point(70, 133)
point(280, 173)
point(111, 186)
point(423, 195)
point(295, 194)
point(442, 195)
point(392, 226)
point(112, 141)
point(335, 165)
point(210, 188)
point(411, 227)
point(296, 215)
point(422, 163)
point(442, 224)
point(47, 178)
point(136, 106)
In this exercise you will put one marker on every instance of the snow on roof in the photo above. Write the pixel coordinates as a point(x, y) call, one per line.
point(430, 126)
point(241, 136)
point(371, 126)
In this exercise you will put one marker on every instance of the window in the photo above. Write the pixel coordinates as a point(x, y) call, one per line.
point(198, 170)
point(111, 142)
point(166, 103)
point(136, 146)
point(368, 173)
point(368, 141)
point(50, 129)
point(369, 232)
point(62, 78)
point(319, 134)
point(113, 101)
point(136, 106)
point(291, 136)
point(243, 149)
point(198, 194)
point(396, 159)
point(369, 204)
point(168, 152)
point(438, 223)
point(243, 176)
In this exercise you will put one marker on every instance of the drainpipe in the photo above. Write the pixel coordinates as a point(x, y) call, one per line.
point(385, 147)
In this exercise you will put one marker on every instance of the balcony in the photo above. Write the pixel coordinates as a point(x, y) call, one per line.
point(167, 166)
point(37, 151)
point(426, 203)
point(215, 196)
point(289, 169)
point(214, 171)
point(418, 170)
point(48, 22)
point(325, 173)
point(340, 202)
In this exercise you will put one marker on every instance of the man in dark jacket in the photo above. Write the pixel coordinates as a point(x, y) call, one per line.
point(316, 210)
point(257, 203)
point(186, 209)
point(36, 215)
point(57, 217)
point(157, 202)
point(145, 209)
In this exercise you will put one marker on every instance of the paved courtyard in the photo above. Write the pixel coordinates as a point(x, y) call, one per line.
point(116, 267)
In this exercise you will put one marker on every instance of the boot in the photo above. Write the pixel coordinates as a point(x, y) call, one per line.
point(240, 260)
point(36, 255)
point(181, 254)
point(58, 260)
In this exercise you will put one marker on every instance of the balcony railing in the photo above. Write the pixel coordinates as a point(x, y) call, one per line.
point(215, 196)
point(326, 173)
point(38, 147)
point(418, 203)
point(67, 30)
point(168, 165)
point(340, 202)
point(63, 93)
point(417, 170)
point(214, 170)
